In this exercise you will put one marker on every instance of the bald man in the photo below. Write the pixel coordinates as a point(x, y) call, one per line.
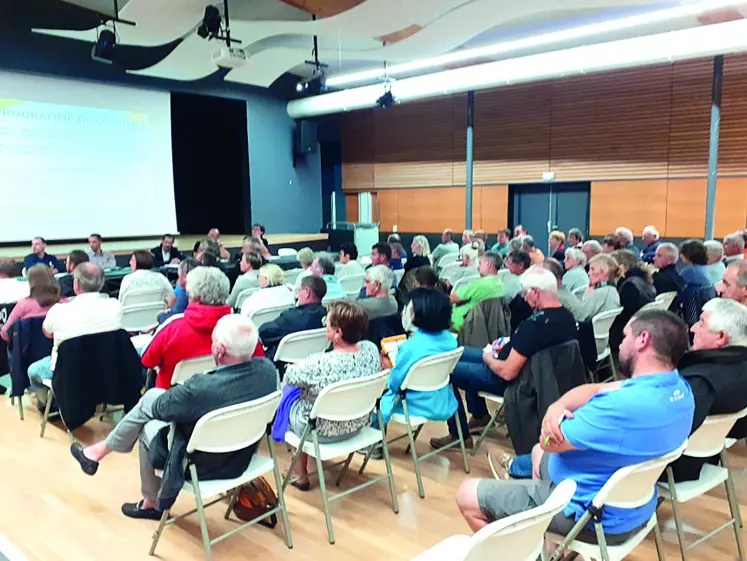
point(214, 234)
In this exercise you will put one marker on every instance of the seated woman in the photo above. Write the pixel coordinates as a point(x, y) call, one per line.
point(694, 255)
point(143, 278)
point(272, 291)
point(351, 357)
point(421, 251)
point(636, 289)
point(44, 292)
point(601, 295)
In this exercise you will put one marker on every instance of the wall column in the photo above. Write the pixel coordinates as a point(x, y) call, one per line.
point(470, 155)
point(718, 78)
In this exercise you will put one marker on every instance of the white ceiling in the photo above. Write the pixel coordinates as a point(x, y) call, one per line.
point(278, 37)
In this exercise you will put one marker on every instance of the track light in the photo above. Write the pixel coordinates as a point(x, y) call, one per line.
point(211, 23)
point(386, 100)
point(104, 47)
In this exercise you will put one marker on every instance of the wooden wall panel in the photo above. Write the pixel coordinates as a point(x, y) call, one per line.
point(685, 206)
point(731, 205)
point(431, 210)
point(357, 150)
point(351, 208)
point(494, 208)
point(476, 207)
point(635, 204)
point(733, 137)
point(389, 208)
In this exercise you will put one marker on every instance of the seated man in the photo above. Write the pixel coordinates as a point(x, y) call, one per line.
point(381, 254)
point(349, 261)
point(39, 255)
point(517, 263)
point(548, 326)
point(166, 253)
point(181, 299)
point(535, 254)
point(74, 258)
point(98, 256)
point(249, 265)
point(447, 245)
point(378, 302)
point(733, 248)
point(733, 284)
point(596, 429)
point(468, 295)
point(308, 314)
point(89, 313)
point(324, 267)
point(395, 263)
point(237, 379)
point(214, 234)
point(258, 231)
point(667, 279)
point(566, 299)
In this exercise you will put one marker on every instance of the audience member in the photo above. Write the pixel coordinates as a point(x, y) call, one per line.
point(667, 279)
point(209, 253)
point(566, 299)
point(592, 248)
point(351, 357)
point(39, 255)
point(181, 298)
point(502, 245)
point(557, 245)
point(166, 253)
point(214, 234)
point(733, 285)
point(89, 313)
point(308, 314)
point(272, 291)
point(421, 251)
point(520, 231)
point(601, 295)
point(481, 235)
point(395, 238)
point(575, 277)
point(515, 245)
point(98, 256)
point(44, 292)
point(426, 277)
point(612, 242)
point(627, 238)
point(596, 429)
point(74, 258)
point(635, 289)
point(250, 244)
point(715, 264)
point(467, 296)
point(349, 262)
point(733, 248)
point(236, 379)
point(143, 278)
point(549, 325)
point(695, 256)
point(447, 245)
point(575, 238)
point(469, 255)
point(467, 237)
point(395, 262)
point(381, 254)
point(258, 233)
point(535, 254)
point(324, 267)
point(249, 266)
point(305, 257)
point(7, 268)
point(651, 243)
point(378, 301)
point(517, 263)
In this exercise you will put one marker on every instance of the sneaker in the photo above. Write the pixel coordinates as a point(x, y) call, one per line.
point(504, 465)
point(437, 443)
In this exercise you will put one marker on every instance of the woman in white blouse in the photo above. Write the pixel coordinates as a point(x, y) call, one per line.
point(272, 291)
point(143, 278)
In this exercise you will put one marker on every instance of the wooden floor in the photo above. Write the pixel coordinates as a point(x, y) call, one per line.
point(52, 511)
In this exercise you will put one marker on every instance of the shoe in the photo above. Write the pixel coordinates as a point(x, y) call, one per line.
point(477, 424)
point(135, 510)
point(437, 443)
point(88, 465)
point(301, 486)
point(504, 465)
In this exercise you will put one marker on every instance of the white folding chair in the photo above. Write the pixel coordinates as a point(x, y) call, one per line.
point(629, 487)
point(244, 294)
point(287, 252)
point(398, 274)
point(426, 375)
point(227, 430)
point(150, 296)
point(498, 400)
point(655, 305)
point(465, 280)
point(352, 295)
point(520, 537)
point(352, 283)
point(602, 323)
point(188, 367)
point(138, 318)
point(448, 259)
point(300, 345)
point(265, 315)
point(447, 270)
point(290, 276)
point(344, 401)
point(365, 260)
point(707, 441)
point(667, 298)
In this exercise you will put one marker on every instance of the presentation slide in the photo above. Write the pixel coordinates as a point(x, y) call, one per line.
point(78, 158)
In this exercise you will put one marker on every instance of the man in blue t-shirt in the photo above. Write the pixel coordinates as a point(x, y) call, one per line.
point(596, 429)
point(39, 255)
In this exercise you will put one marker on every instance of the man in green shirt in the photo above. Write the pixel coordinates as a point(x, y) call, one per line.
point(489, 286)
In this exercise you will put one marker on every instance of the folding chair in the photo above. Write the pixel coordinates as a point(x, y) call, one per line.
point(150, 296)
point(297, 346)
point(465, 280)
point(447, 270)
point(398, 274)
point(629, 487)
point(243, 295)
point(287, 252)
point(227, 430)
point(290, 276)
point(344, 401)
point(188, 367)
point(448, 259)
point(266, 315)
point(498, 400)
point(655, 305)
point(707, 441)
point(138, 318)
point(352, 283)
point(602, 323)
point(426, 375)
point(667, 298)
point(520, 537)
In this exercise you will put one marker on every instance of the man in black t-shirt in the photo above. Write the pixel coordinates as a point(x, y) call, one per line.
point(548, 326)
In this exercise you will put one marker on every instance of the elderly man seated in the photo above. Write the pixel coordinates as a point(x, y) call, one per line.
point(237, 379)
point(733, 248)
point(715, 254)
point(591, 248)
point(249, 266)
point(651, 243)
point(517, 263)
point(575, 277)
point(467, 296)
point(324, 267)
point(181, 299)
point(733, 284)
point(378, 301)
point(596, 429)
point(667, 279)
point(535, 253)
point(476, 371)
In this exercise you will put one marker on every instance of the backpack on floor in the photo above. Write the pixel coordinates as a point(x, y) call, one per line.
point(256, 498)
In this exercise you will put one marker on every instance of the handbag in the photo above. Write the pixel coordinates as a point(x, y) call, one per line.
point(255, 499)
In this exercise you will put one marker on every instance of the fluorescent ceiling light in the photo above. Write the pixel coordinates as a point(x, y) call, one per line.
point(665, 14)
point(653, 49)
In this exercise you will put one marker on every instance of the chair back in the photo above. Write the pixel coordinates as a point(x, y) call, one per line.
point(150, 296)
point(633, 486)
point(188, 367)
point(432, 373)
point(447, 270)
point(352, 283)
point(520, 537)
point(244, 294)
point(602, 323)
point(667, 298)
point(291, 276)
point(352, 295)
point(298, 346)
point(448, 259)
point(708, 440)
point(398, 274)
point(349, 399)
point(141, 317)
point(234, 427)
point(655, 305)
point(287, 252)
point(265, 315)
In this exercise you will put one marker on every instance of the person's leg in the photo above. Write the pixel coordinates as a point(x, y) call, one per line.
point(150, 484)
point(521, 467)
point(40, 370)
point(469, 506)
point(473, 378)
point(540, 463)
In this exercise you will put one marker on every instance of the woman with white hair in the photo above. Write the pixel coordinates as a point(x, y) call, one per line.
point(715, 265)
point(421, 251)
point(601, 295)
point(272, 291)
point(575, 277)
point(305, 258)
point(470, 259)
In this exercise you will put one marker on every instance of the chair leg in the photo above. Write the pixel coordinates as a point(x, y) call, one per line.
point(730, 488)
point(295, 456)
point(368, 457)
point(461, 442)
point(281, 494)
point(234, 496)
point(484, 433)
point(201, 514)
point(414, 452)
point(47, 409)
point(157, 535)
point(603, 553)
point(20, 405)
point(323, 487)
point(414, 438)
point(344, 469)
point(658, 542)
point(676, 514)
point(388, 461)
point(733, 506)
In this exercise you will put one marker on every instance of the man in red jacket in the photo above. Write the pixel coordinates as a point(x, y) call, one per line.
point(190, 335)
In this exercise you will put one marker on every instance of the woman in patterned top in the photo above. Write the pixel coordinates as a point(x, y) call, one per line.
point(350, 358)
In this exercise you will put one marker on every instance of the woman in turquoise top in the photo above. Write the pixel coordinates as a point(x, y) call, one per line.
point(431, 316)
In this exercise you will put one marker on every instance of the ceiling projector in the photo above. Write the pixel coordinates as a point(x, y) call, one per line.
point(230, 57)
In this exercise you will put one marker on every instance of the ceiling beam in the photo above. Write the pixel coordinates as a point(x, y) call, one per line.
point(324, 8)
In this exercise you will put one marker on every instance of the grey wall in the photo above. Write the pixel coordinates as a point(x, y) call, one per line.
point(285, 198)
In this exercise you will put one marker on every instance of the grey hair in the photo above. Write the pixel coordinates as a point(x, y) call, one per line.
point(305, 257)
point(381, 274)
point(736, 239)
point(527, 241)
point(326, 265)
point(539, 278)
point(577, 255)
point(728, 316)
point(672, 249)
point(714, 248)
point(425, 247)
point(515, 245)
point(237, 334)
point(595, 245)
point(495, 259)
point(209, 284)
point(90, 277)
point(189, 264)
point(651, 230)
point(625, 233)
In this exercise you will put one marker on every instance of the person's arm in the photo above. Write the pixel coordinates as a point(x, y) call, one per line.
point(272, 332)
point(506, 369)
point(28, 261)
point(110, 261)
point(464, 294)
point(302, 374)
point(15, 313)
point(564, 408)
point(49, 324)
point(400, 370)
point(153, 355)
point(224, 254)
point(175, 405)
